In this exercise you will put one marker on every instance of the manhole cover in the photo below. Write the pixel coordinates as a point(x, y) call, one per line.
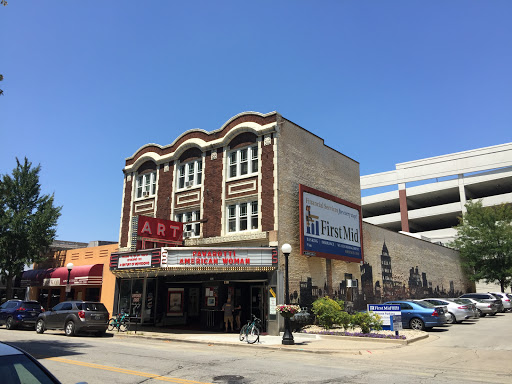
point(229, 379)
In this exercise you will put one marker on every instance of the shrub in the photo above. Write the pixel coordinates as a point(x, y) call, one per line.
point(367, 321)
point(345, 320)
point(327, 311)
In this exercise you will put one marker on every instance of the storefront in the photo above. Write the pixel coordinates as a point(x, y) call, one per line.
point(51, 286)
point(187, 287)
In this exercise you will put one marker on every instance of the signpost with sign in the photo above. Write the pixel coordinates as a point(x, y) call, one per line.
point(386, 311)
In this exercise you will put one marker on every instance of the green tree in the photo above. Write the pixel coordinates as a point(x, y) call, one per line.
point(28, 221)
point(484, 239)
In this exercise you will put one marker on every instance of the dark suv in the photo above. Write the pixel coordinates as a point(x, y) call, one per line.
point(14, 313)
point(74, 317)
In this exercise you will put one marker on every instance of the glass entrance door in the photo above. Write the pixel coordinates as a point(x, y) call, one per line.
point(258, 304)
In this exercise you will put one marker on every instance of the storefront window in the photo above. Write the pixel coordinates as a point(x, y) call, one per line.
point(124, 296)
point(149, 311)
point(136, 297)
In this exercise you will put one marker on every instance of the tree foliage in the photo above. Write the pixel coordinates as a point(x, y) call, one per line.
point(28, 221)
point(484, 239)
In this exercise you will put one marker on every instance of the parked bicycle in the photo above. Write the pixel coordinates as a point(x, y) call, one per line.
point(250, 332)
point(121, 322)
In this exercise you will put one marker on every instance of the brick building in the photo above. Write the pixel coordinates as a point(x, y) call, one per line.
point(239, 189)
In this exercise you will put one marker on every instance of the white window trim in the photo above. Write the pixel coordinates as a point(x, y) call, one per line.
point(196, 171)
point(251, 149)
point(237, 206)
point(196, 219)
point(152, 181)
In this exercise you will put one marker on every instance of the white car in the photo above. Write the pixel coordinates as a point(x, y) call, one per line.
point(456, 312)
point(483, 307)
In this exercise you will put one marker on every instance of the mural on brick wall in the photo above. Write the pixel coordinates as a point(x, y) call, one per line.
point(374, 288)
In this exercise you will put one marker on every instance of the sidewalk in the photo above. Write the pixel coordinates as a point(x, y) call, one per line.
point(303, 342)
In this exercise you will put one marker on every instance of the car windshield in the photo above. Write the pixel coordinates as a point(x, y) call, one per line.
point(95, 307)
point(462, 301)
point(20, 369)
point(425, 304)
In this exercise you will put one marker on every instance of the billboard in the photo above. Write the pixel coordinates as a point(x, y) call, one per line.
point(329, 226)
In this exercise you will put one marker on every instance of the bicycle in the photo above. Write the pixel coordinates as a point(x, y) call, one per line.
point(251, 331)
point(121, 322)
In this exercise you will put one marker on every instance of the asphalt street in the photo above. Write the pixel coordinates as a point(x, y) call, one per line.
point(473, 352)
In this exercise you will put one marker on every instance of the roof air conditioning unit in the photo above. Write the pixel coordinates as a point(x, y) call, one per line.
point(188, 234)
point(189, 183)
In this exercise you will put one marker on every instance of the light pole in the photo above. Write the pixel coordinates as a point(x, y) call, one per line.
point(69, 266)
point(287, 335)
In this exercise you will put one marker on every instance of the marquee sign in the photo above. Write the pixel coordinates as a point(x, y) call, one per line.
point(329, 226)
point(131, 260)
point(183, 257)
point(155, 232)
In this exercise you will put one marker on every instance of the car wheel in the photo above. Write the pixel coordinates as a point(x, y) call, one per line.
point(40, 326)
point(70, 328)
point(9, 324)
point(100, 333)
point(450, 319)
point(492, 314)
point(417, 324)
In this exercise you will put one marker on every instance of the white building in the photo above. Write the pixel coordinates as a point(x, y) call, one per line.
point(431, 193)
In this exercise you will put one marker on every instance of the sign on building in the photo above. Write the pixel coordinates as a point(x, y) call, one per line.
point(183, 257)
point(150, 232)
point(329, 226)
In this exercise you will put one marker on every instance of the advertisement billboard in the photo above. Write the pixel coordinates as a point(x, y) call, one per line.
point(329, 226)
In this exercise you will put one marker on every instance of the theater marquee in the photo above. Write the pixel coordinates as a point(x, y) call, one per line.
point(329, 226)
point(183, 257)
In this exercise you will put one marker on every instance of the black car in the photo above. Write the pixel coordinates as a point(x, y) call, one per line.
point(17, 366)
point(15, 313)
point(74, 317)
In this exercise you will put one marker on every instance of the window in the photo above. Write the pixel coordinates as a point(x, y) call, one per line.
point(243, 161)
point(243, 217)
point(190, 174)
point(146, 185)
point(190, 222)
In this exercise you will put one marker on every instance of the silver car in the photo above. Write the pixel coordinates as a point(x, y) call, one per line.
point(507, 304)
point(456, 312)
point(469, 303)
point(483, 307)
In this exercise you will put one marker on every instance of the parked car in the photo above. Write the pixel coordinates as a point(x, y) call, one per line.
point(420, 315)
point(507, 304)
point(483, 307)
point(17, 366)
point(15, 313)
point(487, 297)
point(456, 312)
point(470, 305)
point(74, 317)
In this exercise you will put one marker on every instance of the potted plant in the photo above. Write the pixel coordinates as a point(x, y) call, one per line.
point(287, 310)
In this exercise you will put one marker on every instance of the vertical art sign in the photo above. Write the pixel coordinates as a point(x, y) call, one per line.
point(329, 226)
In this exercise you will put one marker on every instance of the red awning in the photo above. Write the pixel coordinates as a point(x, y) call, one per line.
point(80, 275)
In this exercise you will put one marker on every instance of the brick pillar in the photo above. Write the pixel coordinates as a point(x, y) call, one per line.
point(165, 186)
point(404, 214)
point(267, 185)
point(127, 208)
point(212, 201)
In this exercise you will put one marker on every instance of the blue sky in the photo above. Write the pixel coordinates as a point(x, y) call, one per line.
point(88, 83)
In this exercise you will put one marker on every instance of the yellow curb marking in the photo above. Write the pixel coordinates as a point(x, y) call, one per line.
point(125, 371)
